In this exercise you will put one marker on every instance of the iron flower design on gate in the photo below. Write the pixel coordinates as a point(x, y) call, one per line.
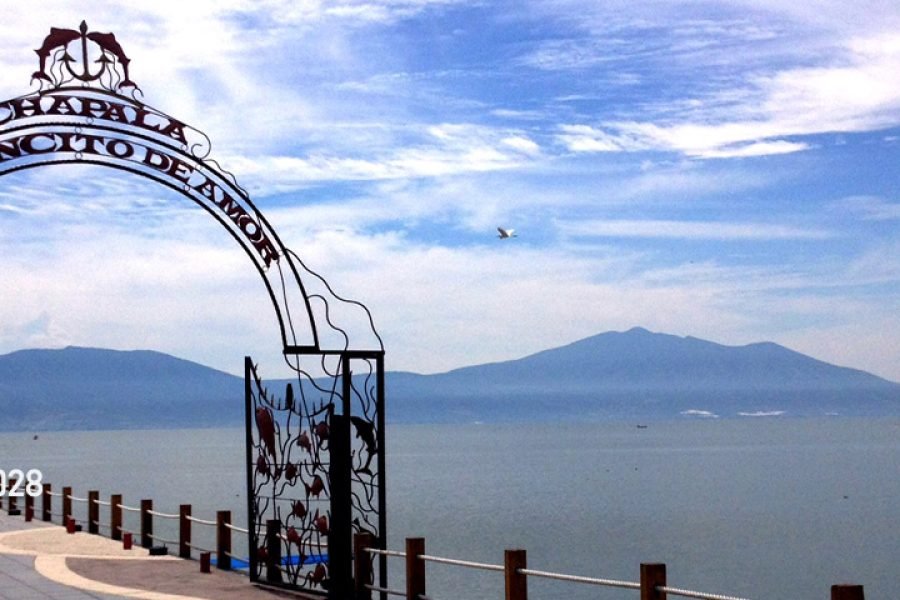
point(291, 453)
point(290, 482)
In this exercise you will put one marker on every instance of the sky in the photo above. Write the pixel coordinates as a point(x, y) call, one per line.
point(725, 170)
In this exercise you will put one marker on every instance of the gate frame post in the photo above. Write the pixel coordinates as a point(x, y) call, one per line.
point(273, 551)
point(340, 572)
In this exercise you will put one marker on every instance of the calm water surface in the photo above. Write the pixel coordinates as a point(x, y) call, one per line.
point(763, 508)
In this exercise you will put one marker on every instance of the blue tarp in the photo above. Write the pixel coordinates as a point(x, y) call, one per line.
point(243, 563)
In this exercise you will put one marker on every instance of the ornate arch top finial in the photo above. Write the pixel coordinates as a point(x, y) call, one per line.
point(112, 74)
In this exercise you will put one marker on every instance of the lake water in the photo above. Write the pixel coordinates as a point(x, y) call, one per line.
point(767, 509)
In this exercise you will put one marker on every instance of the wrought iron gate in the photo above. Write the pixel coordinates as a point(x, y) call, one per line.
point(315, 472)
point(315, 456)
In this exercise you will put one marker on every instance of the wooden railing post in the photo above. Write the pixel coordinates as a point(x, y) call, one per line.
point(223, 540)
point(93, 512)
point(67, 504)
point(184, 531)
point(29, 507)
point(273, 551)
point(516, 582)
point(12, 510)
point(415, 568)
point(46, 503)
point(362, 565)
point(846, 591)
point(146, 524)
point(653, 575)
point(115, 517)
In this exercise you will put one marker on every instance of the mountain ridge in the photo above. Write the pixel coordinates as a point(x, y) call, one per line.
point(633, 374)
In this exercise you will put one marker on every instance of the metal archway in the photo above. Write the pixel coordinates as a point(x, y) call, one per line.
point(299, 443)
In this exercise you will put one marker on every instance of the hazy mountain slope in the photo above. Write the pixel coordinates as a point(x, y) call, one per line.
point(91, 388)
point(641, 374)
point(634, 374)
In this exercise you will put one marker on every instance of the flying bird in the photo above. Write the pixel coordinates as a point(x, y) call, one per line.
point(506, 233)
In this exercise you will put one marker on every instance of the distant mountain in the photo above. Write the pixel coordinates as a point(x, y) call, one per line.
point(90, 388)
point(640, 374)
point(624, 375)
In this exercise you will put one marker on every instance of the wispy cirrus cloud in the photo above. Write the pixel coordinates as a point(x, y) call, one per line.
point(869, 208)
point(439, 150)
point(386, 139)
point(699, 230)
point(858, 96)
point(724, 87)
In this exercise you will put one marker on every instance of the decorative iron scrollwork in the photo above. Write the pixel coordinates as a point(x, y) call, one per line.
point(58, 67)
point(309, 480)
point(290, 481)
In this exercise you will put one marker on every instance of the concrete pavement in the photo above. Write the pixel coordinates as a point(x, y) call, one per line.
point(40, 561)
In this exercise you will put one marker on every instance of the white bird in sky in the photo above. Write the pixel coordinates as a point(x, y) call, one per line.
point(506, 233)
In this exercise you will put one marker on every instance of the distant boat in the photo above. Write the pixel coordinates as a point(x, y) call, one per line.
point(35, 437)
point(642, 427)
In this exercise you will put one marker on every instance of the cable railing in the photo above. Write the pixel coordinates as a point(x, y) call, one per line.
point(652, 584)
point(143, 534)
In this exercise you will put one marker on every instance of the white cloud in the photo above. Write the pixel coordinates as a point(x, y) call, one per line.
point(756, 149)
point(706, 230)
point(332, 98)
point(849, 90)
point(441, 150)
point(871, 208)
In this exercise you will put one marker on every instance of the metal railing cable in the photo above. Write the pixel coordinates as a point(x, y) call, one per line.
point(581, 579)
point(163, 515)
point(692, 594)
point(103, 502)
point(200, 548)
point(633, 585)
point(461, 563)
point(129, 508)
point(236, 528)
point(397, 553)
point(76, 498)
point(201, 521)
point(389, 591)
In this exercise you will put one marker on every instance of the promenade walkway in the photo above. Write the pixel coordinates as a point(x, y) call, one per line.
point(40, 561)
